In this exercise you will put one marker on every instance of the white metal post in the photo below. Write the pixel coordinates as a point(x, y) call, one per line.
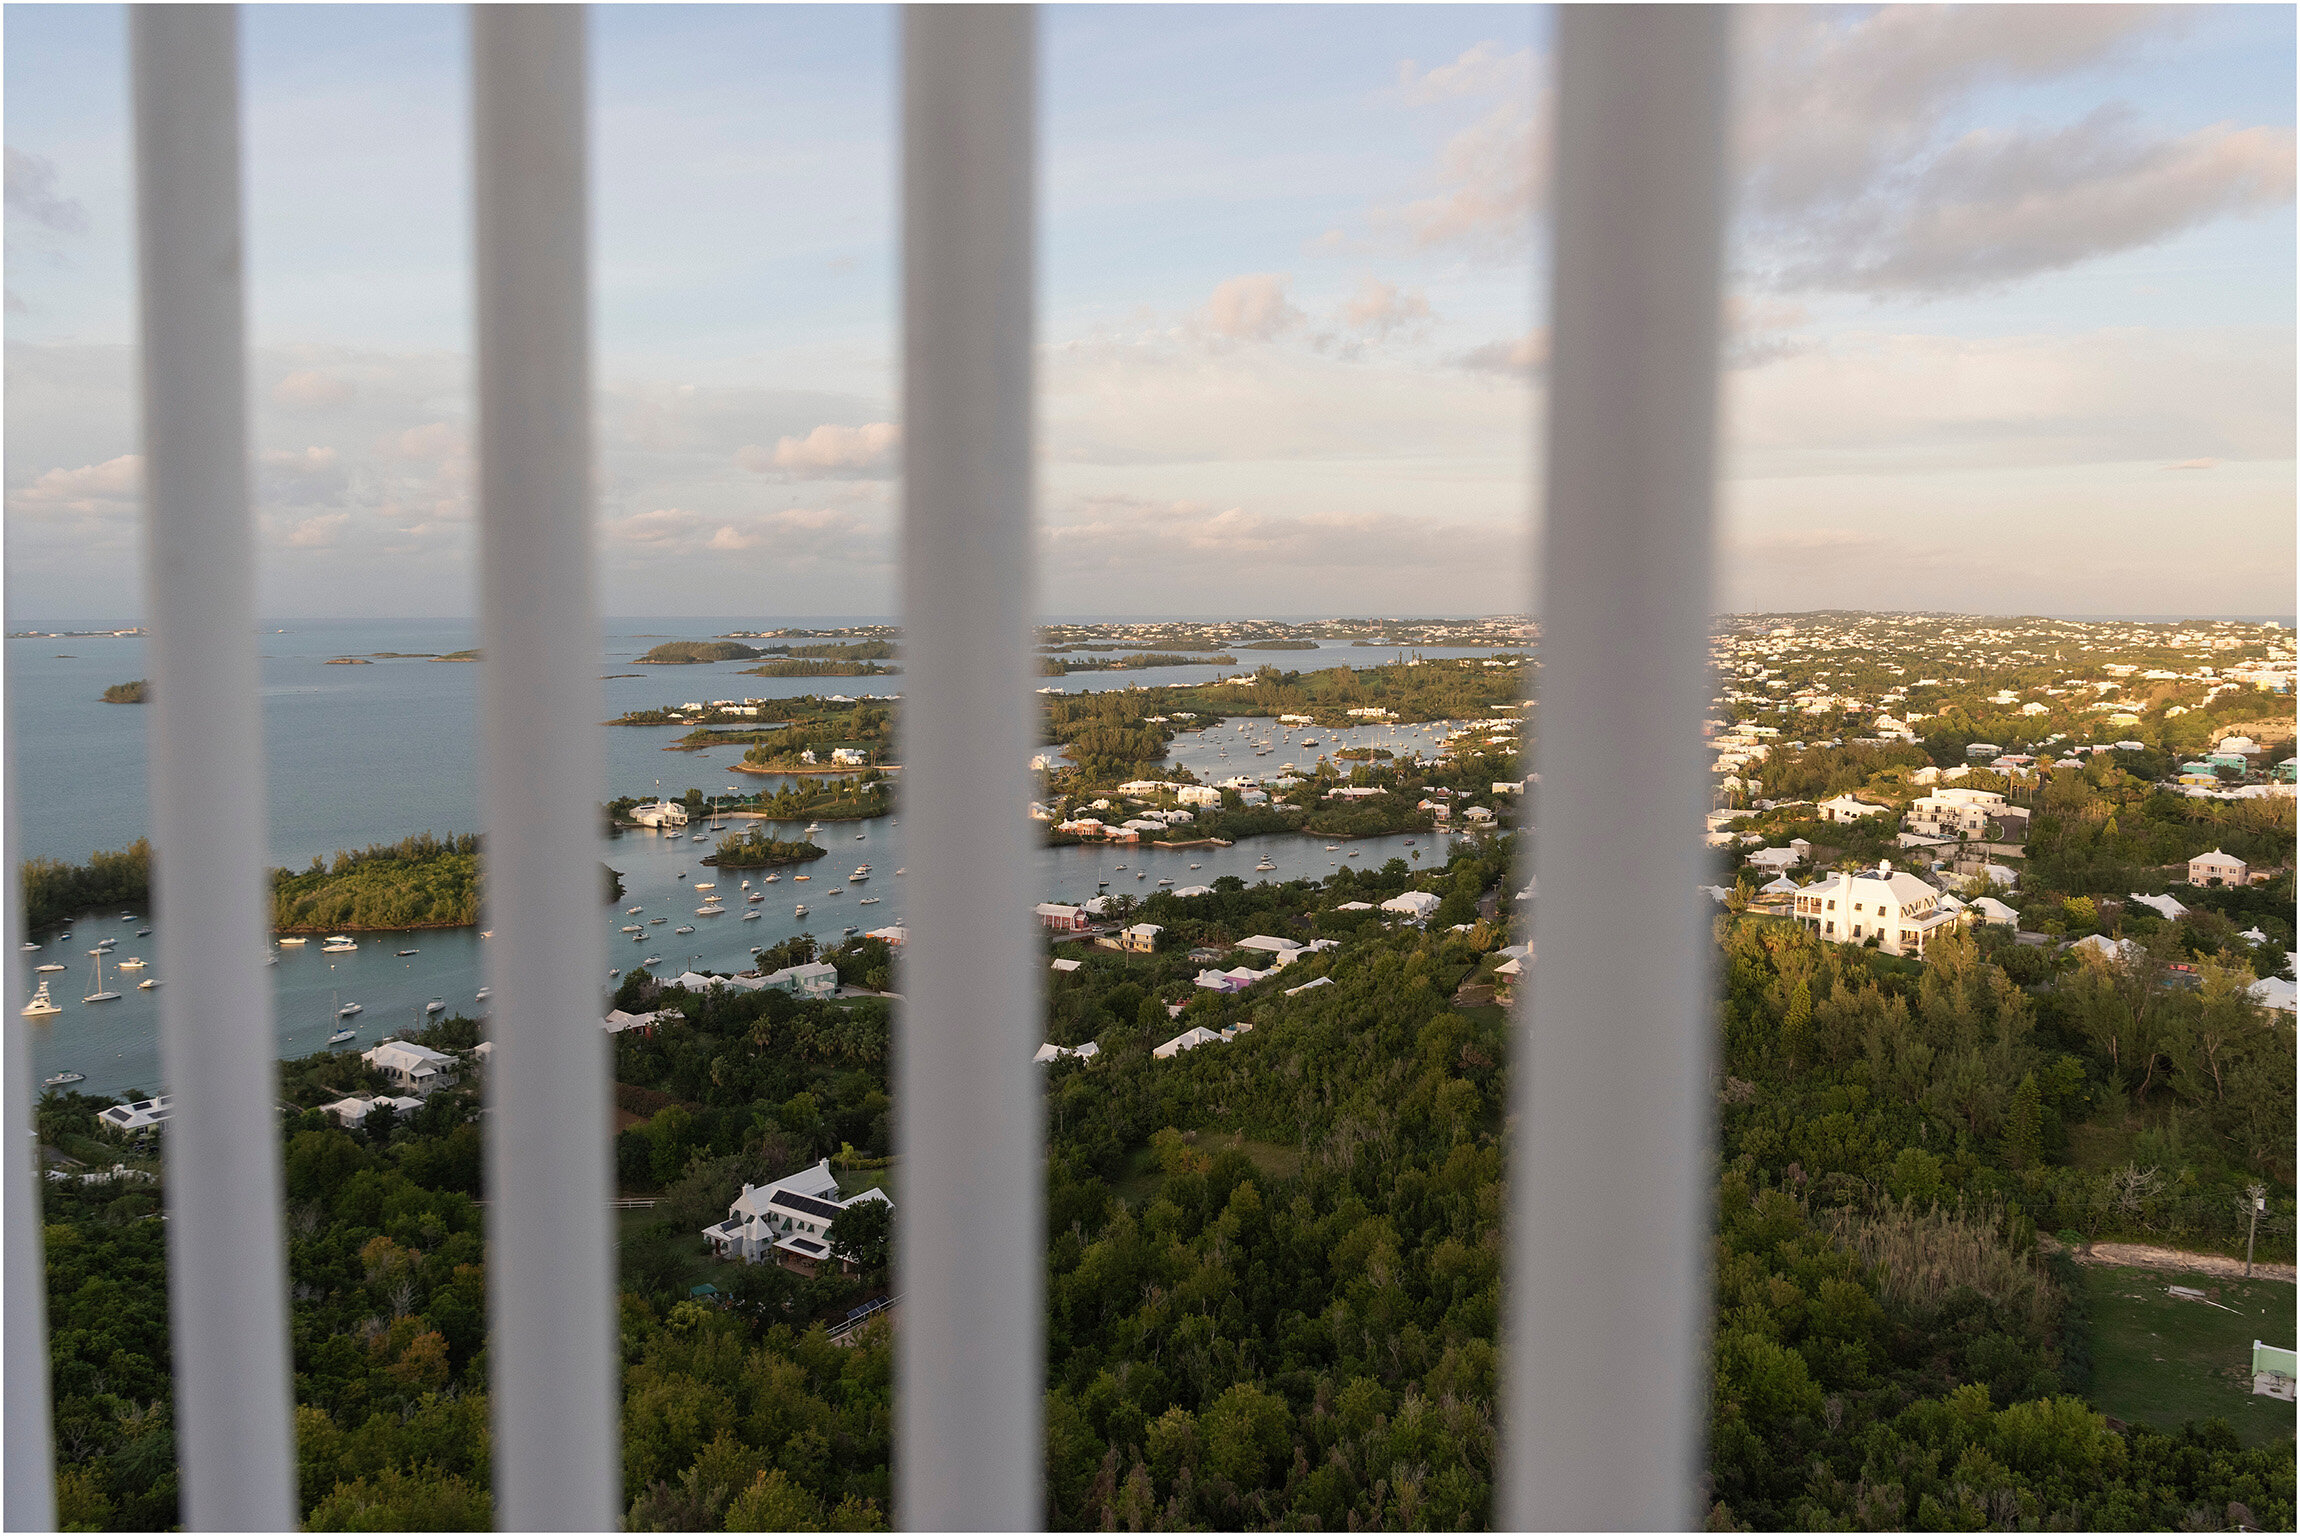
point(1610, 1171)
point(971, 1356)
point(226, 1276)
point(558, 1462)
point(29, 1500)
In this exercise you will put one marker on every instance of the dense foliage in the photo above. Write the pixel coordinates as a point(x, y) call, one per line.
point(755, 850)
point(55, 890)
point(417, 882)
point(137, 692)
point(678, 653)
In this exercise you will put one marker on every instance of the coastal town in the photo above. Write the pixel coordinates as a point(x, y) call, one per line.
point(2022, 886)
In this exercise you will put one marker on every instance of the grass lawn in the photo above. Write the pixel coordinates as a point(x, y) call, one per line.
point(2164, 1362)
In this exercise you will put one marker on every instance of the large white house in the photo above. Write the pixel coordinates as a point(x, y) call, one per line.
point(2217, 868)
point(416, 1067)
point(787, 1221)
point(1846, 808)
point(1891, 906)
point(660, 813)
point(1418, 904)
point(1955, 812)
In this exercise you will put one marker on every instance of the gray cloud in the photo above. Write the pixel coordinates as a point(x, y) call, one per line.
point(1995, 207)
point(30, 182)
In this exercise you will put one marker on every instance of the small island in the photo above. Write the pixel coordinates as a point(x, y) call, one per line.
point(688, 653)
point(349, 661)
point(755, 851)
point(417, 882)
point(137, 692)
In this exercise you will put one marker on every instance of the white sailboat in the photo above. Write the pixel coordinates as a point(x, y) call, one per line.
point(100, 995)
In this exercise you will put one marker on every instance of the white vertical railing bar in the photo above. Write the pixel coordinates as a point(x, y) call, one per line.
point(1610, 1176)
point(971, 1365)
point(550, 1258)
point(29, 1500)
point(226, 1278)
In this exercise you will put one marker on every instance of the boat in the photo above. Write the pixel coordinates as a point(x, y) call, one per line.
point(338, 947)
point(1121, 866)
point(100, 995)
point(710, 911)
point(406, 952)
point(435, 1006)
point(752, 917)
point(652, 960)
point(802, 877)
point(294, 942)
point(611, 975)
point(42, 1006)
point(802, 910)
point(633, 911)
point(340, 1036)
point(633, 928)
point(1265, 864)
point(746, 885)
point(487, 933)
point(348, 1009)
point(1193, 866)
point(859, 876)
point(656, 922)
point(147, 984)
point(143, 933)
point(813, 827)
point(861, 837)
point(867, 901)
point(769, 879)
point(1332, 848)
point(104, 946)
point(132, 963)
point(63, 1079)
point(902, 871)
point(838, 890)
point(706, 885)
point(684, 928)
point(756, 896)
point(484, 993)
point(27, 945)
point(1163, 880)
point(846, 933)
point(1144, 875)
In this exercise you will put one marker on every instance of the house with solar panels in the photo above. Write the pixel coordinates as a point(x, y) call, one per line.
point(787, 1222)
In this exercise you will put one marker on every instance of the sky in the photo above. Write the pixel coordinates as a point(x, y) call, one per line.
point(2010, 309)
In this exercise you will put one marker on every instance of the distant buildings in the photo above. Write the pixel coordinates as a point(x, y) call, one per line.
point(660, 813)
point(416, 1067)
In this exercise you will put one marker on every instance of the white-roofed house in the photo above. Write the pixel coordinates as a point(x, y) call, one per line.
point(1141, 939)
point(1268, 945)
point(1062, 918)
point(1889, 905)
point(1774, 861)
point(1188, 1040)
point(788, 1221)
point(617, 1021)
point(817, 978)
point(416, 1067)
point(1846, 808)
point(2163, 906)
point(1414, 904)
point(352, 1114)
point(2217, 868)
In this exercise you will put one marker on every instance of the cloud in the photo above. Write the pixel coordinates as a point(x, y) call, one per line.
point(310, 389)
point(30, 183)
point(292, 478)
point(321, 532)
point(1489, 178)
point(1995, 207)
point(1523, 357)
point(830, 452)
point(2195, 464)
point(111, 491)
point(657, 527)
point(794, 536)
point(1481, 70)
point(1125, 533)
point(1379, 308)
point(434, 442)
point(1250, 308)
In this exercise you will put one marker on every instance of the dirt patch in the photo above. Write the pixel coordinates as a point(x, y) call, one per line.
point(2173, 1261)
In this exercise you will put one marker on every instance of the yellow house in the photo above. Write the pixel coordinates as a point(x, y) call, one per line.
point(1141, 939)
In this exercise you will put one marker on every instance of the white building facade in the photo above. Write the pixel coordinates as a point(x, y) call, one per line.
point(1892, 906)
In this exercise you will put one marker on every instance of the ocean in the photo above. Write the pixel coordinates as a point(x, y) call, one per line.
point(366, 754)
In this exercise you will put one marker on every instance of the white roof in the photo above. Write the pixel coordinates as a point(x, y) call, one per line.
point(1265, 942)
point(1355, 906)
point(406, 1057)
point(1417, 903)
point(1068, 965)
point(617, 1020)
point(2163, 905)
point(2275, 992)
point(1322, 981)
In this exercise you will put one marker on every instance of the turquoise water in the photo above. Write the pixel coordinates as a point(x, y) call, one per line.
point(357, 755)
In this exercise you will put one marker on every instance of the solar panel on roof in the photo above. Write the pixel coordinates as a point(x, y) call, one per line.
point(807, 1244)
point(805, 1203)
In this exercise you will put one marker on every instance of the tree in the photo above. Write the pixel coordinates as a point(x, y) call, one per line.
point(2024, 1124)
point(863, 1234)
